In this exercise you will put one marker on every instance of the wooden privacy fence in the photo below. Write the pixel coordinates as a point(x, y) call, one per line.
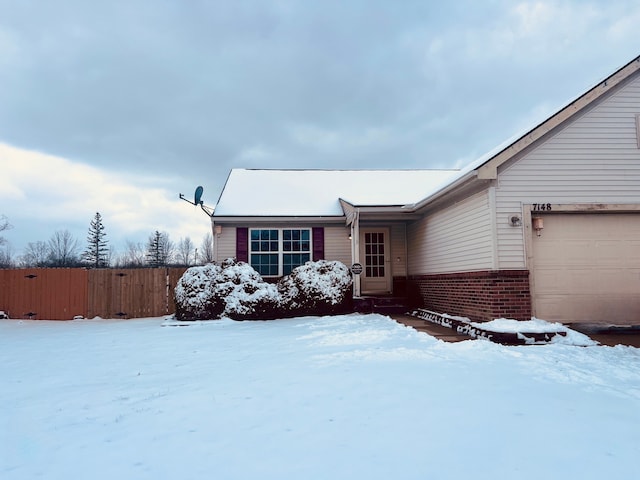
point(64, 293)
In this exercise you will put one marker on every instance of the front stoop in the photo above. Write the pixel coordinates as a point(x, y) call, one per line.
point(383, 305)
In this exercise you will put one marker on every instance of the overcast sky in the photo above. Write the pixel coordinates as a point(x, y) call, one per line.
point(119, 106)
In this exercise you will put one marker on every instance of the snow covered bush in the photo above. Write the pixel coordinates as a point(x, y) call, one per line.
point(233, 289)
point(194, 294)
point(237, 291)
point(316, 288)
point(245, 294)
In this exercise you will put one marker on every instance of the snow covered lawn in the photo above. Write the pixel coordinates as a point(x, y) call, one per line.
point(344, 397)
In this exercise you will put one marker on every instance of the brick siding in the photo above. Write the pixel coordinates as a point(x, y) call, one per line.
point(480, 296)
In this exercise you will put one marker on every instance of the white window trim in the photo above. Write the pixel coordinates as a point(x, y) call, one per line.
point(280, 251)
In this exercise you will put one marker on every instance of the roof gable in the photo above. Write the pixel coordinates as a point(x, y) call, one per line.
point(486, 167)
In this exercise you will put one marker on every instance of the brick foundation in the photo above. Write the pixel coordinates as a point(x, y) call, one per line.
point(480, 296)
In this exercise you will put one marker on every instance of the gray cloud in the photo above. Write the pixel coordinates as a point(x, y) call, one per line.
point(184, 91)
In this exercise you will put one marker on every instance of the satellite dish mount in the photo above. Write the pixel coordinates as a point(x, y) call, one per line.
point(197, 200)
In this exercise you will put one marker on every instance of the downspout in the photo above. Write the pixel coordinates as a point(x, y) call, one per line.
point(355, 250)
point(214, 238)
point(406, 257)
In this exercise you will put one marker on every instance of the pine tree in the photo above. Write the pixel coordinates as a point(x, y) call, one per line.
point(97, 252)
point(159, 249)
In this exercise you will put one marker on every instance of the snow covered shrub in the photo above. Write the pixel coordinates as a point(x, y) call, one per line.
point(316, 288)
point(233, 289)
point(194, 294)
point(246, 295)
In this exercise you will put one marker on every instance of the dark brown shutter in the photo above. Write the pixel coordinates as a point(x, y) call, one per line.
point(242, 244)
point(318, 243)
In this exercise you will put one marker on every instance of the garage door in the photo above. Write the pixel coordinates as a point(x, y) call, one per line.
point(586, 267)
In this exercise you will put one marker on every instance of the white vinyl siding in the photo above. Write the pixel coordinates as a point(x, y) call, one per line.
point(595, 158)
point(225, 244)
point(456, 239)
point(398, 251)
point(337, 245)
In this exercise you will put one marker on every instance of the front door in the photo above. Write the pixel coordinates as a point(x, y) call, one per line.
point(375, 257)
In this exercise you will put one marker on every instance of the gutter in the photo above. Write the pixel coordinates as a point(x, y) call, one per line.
point(465, 178)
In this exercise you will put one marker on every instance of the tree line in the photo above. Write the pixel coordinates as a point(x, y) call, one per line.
point(63, 250)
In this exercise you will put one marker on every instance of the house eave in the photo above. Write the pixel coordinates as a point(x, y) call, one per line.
point(468, 180)
point(277, 219)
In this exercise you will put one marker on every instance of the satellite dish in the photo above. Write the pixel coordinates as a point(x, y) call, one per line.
point(197, 198)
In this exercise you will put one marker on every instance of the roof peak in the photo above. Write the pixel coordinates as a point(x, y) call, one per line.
point(347, 169)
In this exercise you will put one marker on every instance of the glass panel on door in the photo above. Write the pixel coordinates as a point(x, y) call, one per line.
point(374, 254)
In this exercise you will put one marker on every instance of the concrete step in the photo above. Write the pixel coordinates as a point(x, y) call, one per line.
point(382, 305)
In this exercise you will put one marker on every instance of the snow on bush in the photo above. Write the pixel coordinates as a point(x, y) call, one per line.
point(245, 294)
point(236, 290)
point(194, 294)
point(316, 288)
point(233, 289)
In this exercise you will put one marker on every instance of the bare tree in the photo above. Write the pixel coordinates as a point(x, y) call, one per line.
point(63, 249)
point(133, 256)
point(185, 252)
point(205, 254)
point(112, 255)
point(4, 225)
point(6, 257)
point(36, 254)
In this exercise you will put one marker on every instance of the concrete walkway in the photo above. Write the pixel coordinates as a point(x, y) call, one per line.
point(605, 336)
point(609, 335)
point(442, 333)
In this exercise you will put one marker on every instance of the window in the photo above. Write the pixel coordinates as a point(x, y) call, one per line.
point(374, 254)
point(275, 252)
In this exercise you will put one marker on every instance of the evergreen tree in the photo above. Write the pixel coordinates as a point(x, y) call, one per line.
point(159, 249)
point(97, 253)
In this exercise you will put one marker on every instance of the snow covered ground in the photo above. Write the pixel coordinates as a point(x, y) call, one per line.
point(344, 397)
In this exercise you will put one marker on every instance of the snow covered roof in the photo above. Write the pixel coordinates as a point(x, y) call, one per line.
point(318, 192)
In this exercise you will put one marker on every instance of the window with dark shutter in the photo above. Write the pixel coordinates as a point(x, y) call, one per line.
point(274, 252)
point(318, 243)
point(242, 244)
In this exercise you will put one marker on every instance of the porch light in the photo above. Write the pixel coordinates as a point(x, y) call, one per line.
point(538, 224)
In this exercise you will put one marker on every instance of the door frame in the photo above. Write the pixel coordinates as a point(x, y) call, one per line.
point(385, 287)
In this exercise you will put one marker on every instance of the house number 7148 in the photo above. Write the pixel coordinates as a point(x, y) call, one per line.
point(537, 207)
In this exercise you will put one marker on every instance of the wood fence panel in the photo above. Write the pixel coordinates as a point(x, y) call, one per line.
point(62, 293)
point(44, 293)
point(132, 293)
point(174, 275)
point(4, 290)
